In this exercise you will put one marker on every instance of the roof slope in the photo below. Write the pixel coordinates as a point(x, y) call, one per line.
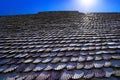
point(60, 45)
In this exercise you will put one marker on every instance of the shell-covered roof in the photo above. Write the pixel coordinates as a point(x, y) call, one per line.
point(60, 46)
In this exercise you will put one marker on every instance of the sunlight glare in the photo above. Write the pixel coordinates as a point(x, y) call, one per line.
point(87, 4)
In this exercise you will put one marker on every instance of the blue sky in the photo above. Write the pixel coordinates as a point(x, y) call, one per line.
point(13, 7)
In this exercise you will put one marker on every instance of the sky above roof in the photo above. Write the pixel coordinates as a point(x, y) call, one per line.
point(14, 7)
